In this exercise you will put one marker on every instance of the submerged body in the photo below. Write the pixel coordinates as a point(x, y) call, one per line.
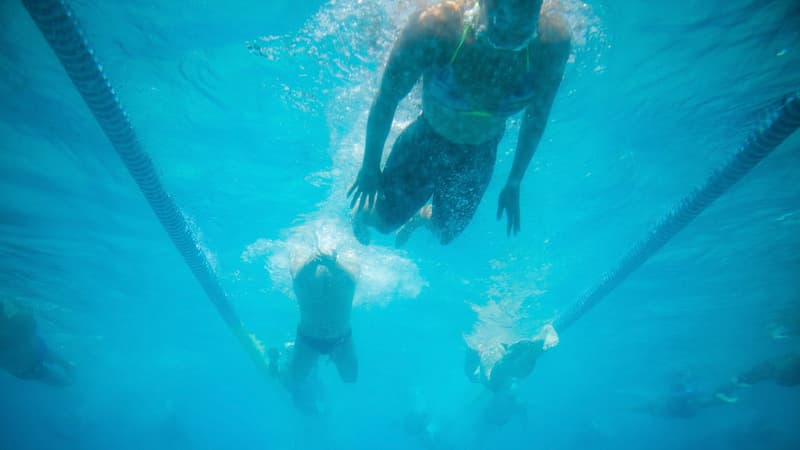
point(324, 290)
point(499, 367)
point(685, 400)
point(784, 371)
point(25, 355)
point(480, 63)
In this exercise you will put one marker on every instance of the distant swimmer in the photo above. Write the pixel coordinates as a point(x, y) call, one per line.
point(685, 399)
point(784, 371)
point(24, 354)
point(480, 63)
point(324, 290)
point(498, 367)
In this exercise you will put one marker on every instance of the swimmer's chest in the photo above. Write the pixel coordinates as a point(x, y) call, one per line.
point(326, 298)
point(325, 316)
point(504, 83)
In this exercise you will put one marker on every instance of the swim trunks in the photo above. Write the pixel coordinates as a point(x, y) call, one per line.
point(325, 346)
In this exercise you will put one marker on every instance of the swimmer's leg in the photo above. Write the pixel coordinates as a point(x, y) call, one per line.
point(459, 191)
point(420, 219)
point(302, 361)
point(344, 357)
point(408, 181)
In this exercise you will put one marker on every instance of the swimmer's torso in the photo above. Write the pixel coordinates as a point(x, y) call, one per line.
point(471, 89)
point(324, 292)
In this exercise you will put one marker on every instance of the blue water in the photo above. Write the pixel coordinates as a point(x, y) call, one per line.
point(258, 146)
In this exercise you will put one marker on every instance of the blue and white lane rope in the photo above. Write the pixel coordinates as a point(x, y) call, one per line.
point(61, 29)
point(779, 126)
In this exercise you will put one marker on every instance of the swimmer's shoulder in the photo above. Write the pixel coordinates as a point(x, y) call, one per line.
point(553, 27)
point(441, 22)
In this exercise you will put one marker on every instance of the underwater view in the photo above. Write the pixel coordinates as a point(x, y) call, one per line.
point(399, 224)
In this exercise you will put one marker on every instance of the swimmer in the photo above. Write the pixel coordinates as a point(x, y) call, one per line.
point(24, 354)
point(685, 400)
point(784, 371)
point(499, 367)
point(324, 290)
point(480, 63)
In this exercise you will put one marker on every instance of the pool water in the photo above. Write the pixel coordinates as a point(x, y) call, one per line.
point(254, 115)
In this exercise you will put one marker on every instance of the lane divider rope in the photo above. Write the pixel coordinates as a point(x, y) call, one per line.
point(779, 126)
point(57, 22)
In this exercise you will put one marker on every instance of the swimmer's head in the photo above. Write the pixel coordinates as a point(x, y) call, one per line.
point(510, 24)
point(324, 274)
point(325, 266)
point(324, 271)
point(327, 259)
point(316, 260)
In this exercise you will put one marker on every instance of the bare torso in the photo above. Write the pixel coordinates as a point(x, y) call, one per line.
point(325, 297)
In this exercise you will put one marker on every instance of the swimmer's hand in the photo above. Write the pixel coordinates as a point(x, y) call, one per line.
point(509, 202)
point(365, 189)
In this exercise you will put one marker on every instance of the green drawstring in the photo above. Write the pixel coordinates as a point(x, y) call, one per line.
point(467, 28)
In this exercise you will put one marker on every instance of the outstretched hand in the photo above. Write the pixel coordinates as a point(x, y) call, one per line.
point(509, 202)
point(365, 189)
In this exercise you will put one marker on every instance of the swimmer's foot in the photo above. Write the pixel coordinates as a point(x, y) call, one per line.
point(361, 221)
point(421, 218)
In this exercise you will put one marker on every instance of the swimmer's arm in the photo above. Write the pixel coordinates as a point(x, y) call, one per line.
point(413, 52)
point(535, 116)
